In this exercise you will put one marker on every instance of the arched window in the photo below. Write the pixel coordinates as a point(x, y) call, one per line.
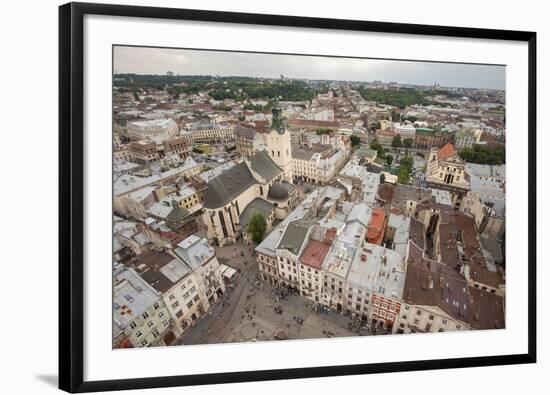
point(279, 154)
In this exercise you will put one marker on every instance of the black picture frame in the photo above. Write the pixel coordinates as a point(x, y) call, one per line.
point(71, 195)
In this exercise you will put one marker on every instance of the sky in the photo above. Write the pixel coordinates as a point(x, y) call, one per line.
point(143, 60)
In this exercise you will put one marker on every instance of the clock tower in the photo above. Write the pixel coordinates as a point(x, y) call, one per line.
point(278, 143)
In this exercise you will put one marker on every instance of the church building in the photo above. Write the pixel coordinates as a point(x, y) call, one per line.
point(262, 183)
point(445, 171)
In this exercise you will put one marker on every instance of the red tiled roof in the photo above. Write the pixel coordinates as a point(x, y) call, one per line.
point(330, 234)
point(375, 231)
point(446, 151)
point(314, 254)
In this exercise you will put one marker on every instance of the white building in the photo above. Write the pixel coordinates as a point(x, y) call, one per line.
point(152, 129)
point(139, 313)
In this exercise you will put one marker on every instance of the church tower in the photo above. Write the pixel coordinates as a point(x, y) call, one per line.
point(278, 143)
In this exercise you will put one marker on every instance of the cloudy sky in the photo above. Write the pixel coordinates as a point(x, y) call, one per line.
point(141, 60)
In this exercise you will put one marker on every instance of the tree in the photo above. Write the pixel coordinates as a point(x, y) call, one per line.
point(321, 131)
point(136, 96)
point(403, 176)
point(395, 97)
point(256, 227)
point(484, 155)
point(396, 142)
point(355, 140)
point(395, 116)
point(389, 159)
point(375, 145)
point(405, 167)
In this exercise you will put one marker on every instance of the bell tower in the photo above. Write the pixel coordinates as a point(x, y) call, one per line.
point(278, 142)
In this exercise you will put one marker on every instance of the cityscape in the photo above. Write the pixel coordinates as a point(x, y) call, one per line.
point(265, 197)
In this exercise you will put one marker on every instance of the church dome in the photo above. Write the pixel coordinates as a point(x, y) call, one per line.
point(278, 192)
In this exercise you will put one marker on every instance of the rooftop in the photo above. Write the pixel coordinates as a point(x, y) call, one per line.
point(263, 165)
point(294, 236)
point(194, 251)
point(257, 205)
point(131, 296)
point(160, 270)
point(225, 187)
point(378, 269)
point(429, 283)
point(128, 183)
point(315, 253)
point(486, 310)
point(446, 151)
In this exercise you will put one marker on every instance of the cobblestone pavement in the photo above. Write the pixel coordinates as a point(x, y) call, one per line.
point(247, 310)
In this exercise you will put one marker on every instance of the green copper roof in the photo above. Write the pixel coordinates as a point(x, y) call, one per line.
point(278, 122)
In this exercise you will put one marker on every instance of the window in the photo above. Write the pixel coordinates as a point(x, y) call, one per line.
point(444, 322)
point(156, 306)
point(186, 295)
point(190, 304)
point(161, 314)
point(150, 324)
point(418, 312)
point(145, 315)
point(133, 325)
point(175, 305)
point(179, 313)
point(193, 289)
point(155, 333)
point(406, 307)
point(431, 317)
point(138, 334)
point(171, 297)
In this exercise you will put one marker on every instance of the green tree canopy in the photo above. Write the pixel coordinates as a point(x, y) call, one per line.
point(405, 167)
point(256, 227)
point(484, 155)
point(389, 159)
point(394, 97)
point(355, 140)
point(321, 131)
point(408, 142)
point(396, 142)
point(375, 145)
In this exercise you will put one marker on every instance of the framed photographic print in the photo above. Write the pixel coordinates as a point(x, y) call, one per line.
point(253, 197)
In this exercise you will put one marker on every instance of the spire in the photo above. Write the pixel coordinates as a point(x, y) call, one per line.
point(278, 122)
